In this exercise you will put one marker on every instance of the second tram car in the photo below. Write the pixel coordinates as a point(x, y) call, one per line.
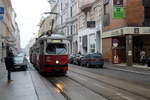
point(49, 54)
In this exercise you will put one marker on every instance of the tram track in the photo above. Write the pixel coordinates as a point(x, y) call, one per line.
point(57, 80)
point(139, 79)
point(112, 85)
point(66, 97)
point(60, 90)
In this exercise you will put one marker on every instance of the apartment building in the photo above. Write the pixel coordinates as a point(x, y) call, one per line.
point(80, 20)
point(9, 31)
point(90, 26)
point(126, 30)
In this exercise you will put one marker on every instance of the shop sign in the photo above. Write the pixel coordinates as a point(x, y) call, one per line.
point(129, 53)
point(125, 31)
point(118, 12)
point(118, 2)
point(146, 30)
point(136, 30)
point(52, 1)
point(117, 32)
point(1, 10)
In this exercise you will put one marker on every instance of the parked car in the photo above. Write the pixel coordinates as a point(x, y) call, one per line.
point(93, 59)
point(20, 63)
point(77, 59)
point(72, 58)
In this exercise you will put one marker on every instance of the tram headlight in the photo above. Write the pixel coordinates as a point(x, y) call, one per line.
point(57, 62)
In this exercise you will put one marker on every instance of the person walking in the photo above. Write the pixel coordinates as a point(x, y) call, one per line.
point(142, 57)
point(9, 62)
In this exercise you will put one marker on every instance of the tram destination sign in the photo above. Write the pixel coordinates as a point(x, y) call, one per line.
point(54, 41)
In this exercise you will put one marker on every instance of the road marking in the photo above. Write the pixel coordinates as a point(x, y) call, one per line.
point(82, 79)
point(123, 96)
point(99, 86)
point(130, 71)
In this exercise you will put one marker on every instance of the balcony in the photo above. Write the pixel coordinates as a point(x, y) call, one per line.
point(85, 5)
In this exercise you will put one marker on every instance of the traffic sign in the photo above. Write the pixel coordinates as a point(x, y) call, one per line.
point(115, 43)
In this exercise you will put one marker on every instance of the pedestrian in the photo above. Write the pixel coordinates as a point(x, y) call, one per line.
point(142, 57)
point(9, 62)
point(79, 52)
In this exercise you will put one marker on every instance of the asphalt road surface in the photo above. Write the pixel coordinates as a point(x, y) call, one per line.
point(82, 83)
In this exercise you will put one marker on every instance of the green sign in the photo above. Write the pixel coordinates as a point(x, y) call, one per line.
point(118, 12)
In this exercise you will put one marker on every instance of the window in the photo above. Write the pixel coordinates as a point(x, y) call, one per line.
point(71, 31)
point(70, 11)
point(106, 17)
point(61, 6)
point(56, 48)
point(106, 9)
point(146, 11)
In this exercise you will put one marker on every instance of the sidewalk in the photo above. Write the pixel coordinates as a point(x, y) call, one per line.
point(141, 69)
point(27, 85)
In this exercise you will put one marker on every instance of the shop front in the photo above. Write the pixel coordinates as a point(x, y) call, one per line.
point(125, 44)
point(140, 43)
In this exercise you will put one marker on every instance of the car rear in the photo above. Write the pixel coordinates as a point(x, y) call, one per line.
point(96, 60)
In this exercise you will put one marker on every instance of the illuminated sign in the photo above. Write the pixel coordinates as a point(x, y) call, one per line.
point(54, 41)
point(118, 12)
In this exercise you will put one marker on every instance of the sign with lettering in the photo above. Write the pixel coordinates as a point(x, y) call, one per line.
point(1, 10)
point(52, 1)
point(118, 12)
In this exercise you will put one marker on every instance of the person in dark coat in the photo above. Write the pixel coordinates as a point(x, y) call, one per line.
point(9, 62)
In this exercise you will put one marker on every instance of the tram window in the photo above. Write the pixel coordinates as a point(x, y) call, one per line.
point(50, 49)
point(56, 49)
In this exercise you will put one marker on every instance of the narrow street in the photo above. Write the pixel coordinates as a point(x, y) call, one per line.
point(82, 83)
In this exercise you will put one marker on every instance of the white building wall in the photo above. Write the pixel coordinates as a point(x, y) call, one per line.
point(88, 32)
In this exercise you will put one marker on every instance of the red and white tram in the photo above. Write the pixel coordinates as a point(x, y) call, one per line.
point(49, 54)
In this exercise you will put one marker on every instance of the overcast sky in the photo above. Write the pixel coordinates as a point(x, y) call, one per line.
point(29, 13)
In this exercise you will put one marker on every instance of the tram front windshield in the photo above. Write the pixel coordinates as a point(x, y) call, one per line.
point(58, 49)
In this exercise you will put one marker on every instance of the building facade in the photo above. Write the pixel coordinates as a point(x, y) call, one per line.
point(81, 23)
point(126, 30)
point(90, 26)
point(9, 31)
